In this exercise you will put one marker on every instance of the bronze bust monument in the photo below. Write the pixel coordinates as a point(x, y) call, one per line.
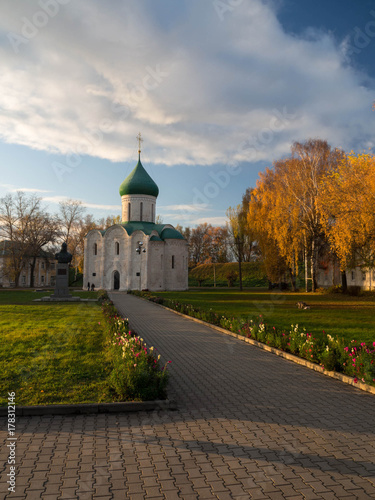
point(64, 257)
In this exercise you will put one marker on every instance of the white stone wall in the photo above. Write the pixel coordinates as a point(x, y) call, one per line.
point(115, 237)
point(156, 265)
point(138, 262)
point(93, 268)
point(135, 200)
point(176, 278)
point(364, 278)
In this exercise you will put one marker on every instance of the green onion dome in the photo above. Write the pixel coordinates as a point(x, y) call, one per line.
point(139, 182)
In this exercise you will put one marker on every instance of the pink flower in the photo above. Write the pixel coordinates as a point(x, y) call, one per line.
point(135, 364)
point(346, 349)
point(355, 380)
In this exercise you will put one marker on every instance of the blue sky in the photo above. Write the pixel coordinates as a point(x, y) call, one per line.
point(218, 89)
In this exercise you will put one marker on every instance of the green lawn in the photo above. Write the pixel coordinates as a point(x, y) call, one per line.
point(336, 314)
point(26, 296)
point(51, 352)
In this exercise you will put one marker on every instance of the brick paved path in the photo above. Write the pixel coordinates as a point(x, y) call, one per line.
point(248, 425)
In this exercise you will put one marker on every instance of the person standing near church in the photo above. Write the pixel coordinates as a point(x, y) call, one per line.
point(88, 286)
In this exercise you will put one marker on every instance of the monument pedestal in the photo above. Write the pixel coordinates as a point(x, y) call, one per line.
point(62, 282)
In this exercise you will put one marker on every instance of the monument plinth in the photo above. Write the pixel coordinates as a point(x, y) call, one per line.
point(62, 281)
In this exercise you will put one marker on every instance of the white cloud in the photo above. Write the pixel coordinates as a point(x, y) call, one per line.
point(198, 88)
point(198, 207)
point(97, 206)
point(55, 199)
point(58, 199)
point(214, 221)
point(14, 189)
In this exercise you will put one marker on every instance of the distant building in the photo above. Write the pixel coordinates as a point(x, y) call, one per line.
point(137, 254)
point(329, 274)
point(44, 272)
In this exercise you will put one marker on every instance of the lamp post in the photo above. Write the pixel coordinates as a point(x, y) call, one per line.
point(140, 250)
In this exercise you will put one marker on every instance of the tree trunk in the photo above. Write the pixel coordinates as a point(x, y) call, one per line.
point(292, 280)
point(32, 269)
point(306, 272)
point(313, 265)
point(334, 260)
point(17, 278)
point(15, 272)
point(214, 275)
point(344, 282)
point(240, 272)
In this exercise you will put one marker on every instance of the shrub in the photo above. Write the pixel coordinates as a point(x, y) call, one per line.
point(354, 290)
point(231, 278)
point(102, 295)
point(334, 289)
point(136, 373)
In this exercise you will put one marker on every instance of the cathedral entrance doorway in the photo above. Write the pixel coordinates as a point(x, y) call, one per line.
point(116, 280)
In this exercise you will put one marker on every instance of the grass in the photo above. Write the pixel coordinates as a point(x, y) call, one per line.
point(51, 353)
point(27, 296)
point(252, 274)
point(339, 315)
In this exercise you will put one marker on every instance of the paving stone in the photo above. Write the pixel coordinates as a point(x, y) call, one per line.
point(33, 495)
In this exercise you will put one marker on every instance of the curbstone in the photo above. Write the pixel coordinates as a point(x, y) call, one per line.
point(38, 410)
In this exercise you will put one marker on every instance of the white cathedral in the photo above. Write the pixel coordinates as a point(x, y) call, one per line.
point(137, 254)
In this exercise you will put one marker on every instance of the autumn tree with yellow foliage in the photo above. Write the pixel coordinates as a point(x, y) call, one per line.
point(284, 206)
point(260, 217)
point(346, 208)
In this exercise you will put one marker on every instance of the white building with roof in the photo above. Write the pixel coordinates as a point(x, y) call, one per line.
point(137, 254)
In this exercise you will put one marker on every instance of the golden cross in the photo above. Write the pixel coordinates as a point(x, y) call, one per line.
point(139, 137)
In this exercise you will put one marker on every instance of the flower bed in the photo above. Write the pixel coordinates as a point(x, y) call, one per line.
point(136, 371)
point(356, 360)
